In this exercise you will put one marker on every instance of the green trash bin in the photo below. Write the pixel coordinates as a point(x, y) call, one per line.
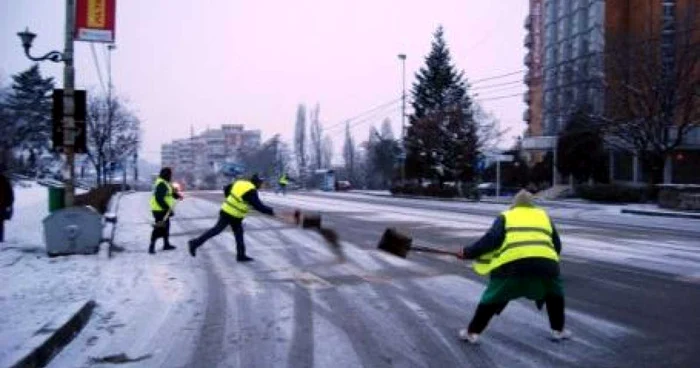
point(56, 197)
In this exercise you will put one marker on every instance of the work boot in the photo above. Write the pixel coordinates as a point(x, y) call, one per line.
point(243, 258)
point(192, 248)
point(152, 249)
point(560, 335)
point(169, 247)
point(465, 335)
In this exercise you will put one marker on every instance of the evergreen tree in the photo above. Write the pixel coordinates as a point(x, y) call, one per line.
point(441, 140)
point(580, 150)
point(382, 155)
point(29, 105)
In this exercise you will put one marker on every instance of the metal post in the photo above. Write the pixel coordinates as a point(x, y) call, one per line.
point(69, 106)
point(498, 177)
point(554, 163)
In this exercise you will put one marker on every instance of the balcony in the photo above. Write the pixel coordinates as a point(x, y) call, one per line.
point(527, 60)
point(528, 40)
point(528, 77)
point(528, 21)
point(526, 116)
point(527, 97)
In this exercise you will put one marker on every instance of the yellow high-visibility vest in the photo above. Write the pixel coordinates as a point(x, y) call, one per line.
point(234, 204)
point(283, 180)
point(528, 235)
point(169, 199)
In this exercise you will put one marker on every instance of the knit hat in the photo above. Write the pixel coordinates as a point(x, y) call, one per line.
point(523, 198)
point(256, 180)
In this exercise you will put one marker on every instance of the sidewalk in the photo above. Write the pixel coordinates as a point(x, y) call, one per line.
point(41, 296)
point(46, 301)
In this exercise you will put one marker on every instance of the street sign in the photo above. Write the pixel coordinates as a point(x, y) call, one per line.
point(539, 143)
point(80, 103)
point(503, 158)
point(94, 20)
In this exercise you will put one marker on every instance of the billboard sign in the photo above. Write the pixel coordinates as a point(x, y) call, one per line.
point(94, 20)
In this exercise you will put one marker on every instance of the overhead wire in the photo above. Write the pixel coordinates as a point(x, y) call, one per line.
point(97, 67)
point(379, 107)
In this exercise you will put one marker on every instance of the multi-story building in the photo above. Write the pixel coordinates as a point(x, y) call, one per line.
point(568, 60)
point(196, 158)
point(168, 155)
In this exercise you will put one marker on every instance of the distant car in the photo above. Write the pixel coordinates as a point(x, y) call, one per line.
point(487, 189)
point(343, 185)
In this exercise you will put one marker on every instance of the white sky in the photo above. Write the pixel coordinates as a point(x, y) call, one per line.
point(206, 63)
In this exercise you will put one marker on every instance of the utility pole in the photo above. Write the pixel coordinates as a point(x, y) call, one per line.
point(69, 106)
point(402, 57)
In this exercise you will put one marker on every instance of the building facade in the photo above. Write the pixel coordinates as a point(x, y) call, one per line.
point(201, 157)
point(570, 47)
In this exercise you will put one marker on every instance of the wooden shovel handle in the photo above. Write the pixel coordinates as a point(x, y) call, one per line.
point(419, 248)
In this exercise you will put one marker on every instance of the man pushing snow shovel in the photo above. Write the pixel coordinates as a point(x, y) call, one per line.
point(239, 196)
point(520, 252)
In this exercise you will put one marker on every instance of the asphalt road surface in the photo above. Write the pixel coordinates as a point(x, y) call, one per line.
point(632, 286)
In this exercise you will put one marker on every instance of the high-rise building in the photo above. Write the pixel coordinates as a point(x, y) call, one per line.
point(571, 46)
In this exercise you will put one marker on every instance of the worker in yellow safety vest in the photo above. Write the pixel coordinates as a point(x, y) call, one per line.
point(520, 252)
point(239, 196)
point(162, 203)
point(283, 182)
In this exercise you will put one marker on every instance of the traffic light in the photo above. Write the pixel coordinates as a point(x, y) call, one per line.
point(80, 112)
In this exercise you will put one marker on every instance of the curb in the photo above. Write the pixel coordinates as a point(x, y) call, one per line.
point(39, 349)
point(694, 216)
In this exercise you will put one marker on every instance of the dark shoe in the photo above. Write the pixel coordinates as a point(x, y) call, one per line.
point(244, 259)
point(192, 248)
point(152, 249)
point(169, 247)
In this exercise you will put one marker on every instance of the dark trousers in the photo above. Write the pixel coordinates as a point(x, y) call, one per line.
point(2, 229)
point(160, 231)
point(484, 312)
point(225, 220)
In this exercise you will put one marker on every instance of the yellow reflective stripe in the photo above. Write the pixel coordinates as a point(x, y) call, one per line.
point(529, 229)
point(523, 244)
point(528, 234)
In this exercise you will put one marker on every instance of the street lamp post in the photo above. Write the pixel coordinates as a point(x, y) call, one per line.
point(68, 89)
point(402, 57)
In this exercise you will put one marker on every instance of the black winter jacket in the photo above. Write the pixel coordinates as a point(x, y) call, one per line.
point(493, 239)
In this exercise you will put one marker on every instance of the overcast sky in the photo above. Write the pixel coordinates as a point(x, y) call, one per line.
point(211, 62)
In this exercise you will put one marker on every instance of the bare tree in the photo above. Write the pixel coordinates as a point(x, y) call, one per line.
point(652, 89)
point(113, 134)
point(349, 153)
point(327, 151)
point(300, 141)
point(266, 160)
point(316, 135)
point(387, 130)
point(489, 132)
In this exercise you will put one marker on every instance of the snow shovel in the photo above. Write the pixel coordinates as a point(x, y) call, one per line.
point(312, 221)
point(161, 223)
point(399, 244)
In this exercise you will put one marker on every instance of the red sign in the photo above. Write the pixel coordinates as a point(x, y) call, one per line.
point(94, 20)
